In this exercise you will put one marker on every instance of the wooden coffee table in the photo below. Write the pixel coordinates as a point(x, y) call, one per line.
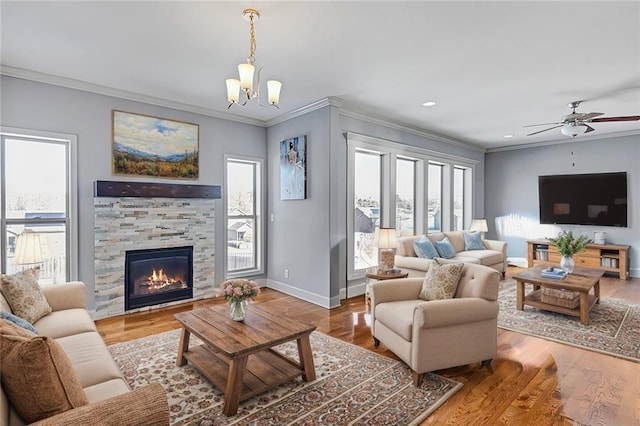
point(237, 357)
point(581, 280)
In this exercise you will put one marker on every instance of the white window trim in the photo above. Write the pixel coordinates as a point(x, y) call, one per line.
point(72, 191)
point(390, 150)
point(260, 204)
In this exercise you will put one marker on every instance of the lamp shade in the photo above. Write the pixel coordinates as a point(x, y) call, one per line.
point(233, 90)
point(273, 91)
point(573, 129)
point(385, 238)
point(246, 76)
point(479, 225)
point(31, 248)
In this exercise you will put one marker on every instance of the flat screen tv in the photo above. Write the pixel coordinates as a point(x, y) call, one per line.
point(585, 199)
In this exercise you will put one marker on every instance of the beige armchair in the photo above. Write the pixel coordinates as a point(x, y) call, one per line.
point(437, 334)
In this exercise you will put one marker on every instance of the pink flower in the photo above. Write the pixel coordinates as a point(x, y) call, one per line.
point(239, 289)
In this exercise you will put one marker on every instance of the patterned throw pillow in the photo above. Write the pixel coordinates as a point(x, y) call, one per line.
point(473, 241)
point(24, 295)
point(445, 248)
point(18, 321)
point(441, 281)
point(424, 248)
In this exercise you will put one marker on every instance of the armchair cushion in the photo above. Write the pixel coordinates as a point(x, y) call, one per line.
point(445, 248)
point(441, 280)
point(24, 295)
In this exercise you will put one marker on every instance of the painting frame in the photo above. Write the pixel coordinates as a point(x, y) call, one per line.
point(147, 145)
point(293, 168)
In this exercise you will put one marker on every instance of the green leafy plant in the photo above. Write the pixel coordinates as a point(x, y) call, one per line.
point(568, 244)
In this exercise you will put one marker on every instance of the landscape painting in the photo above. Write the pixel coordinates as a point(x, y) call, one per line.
point(153, 146)
point(293, 168)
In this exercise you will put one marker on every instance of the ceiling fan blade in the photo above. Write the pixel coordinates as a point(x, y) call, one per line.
point(550, 128)
point(591, 115)
point(622, 118)
point(589, 128)
point(541, 124)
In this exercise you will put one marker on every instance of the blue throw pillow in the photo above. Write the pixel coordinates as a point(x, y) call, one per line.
point(18, 321)
point(445, 248)
point(424, 248)
point(473, 241)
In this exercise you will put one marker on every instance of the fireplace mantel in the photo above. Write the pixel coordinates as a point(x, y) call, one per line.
point(104, 188)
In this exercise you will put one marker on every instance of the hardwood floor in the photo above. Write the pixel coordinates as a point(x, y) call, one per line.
point(534, 381)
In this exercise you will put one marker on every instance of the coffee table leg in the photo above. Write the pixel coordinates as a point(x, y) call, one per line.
point(306, 359)
point(584, 308)
point(183, 347)
point(596, 291)
point(233, 390)
point(520, 295)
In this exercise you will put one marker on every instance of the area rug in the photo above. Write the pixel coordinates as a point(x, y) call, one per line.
point(614, 325)
point(353, 386)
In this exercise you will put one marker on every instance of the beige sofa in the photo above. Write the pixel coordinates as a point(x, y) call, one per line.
point(111, 401)
point(494, 255)
point(436, 334)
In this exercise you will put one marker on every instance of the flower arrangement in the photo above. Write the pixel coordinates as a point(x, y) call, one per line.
point(568, 244)
point(239, 290)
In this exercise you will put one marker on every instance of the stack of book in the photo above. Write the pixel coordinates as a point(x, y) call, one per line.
point(554, 273)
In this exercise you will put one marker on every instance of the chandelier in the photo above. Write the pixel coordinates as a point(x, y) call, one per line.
point(244, 87)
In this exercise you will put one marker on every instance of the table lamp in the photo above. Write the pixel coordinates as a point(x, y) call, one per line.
point(385, 240)
point(479, 225)
point(31, 249)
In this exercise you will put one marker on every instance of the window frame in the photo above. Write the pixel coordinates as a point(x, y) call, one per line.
point(70, 221)
point(257, 216)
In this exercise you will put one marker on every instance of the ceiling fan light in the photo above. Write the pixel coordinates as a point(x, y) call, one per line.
point(233, 90)
point(573, 129)
point(273, 91)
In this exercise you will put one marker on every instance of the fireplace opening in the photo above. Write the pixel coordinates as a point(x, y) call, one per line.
point(155, 276)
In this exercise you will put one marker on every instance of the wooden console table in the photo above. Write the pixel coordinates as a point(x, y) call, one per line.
point(604, 257)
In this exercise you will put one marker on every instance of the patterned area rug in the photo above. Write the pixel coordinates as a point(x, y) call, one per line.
point(613, 324)
point(353, 386)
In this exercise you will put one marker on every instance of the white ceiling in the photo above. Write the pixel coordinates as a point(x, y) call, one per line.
point(492, 67)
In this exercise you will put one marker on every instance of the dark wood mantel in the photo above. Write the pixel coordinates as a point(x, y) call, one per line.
point(103, 188)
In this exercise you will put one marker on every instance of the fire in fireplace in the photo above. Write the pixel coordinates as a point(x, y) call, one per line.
point(156, 276)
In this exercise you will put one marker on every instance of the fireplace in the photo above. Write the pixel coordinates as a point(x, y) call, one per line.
point(156, 276)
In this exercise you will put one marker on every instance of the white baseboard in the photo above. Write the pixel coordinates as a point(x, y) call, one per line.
point(316, 299)
point(517, 261)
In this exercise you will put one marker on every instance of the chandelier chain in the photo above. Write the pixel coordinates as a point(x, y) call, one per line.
point(252, 42)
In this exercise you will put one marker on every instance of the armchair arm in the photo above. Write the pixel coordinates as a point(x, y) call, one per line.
point(442, 313)
point(146, 406)
point(394, 290)
point(66, 296)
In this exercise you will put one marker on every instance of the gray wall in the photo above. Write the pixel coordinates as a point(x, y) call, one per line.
point(511, 190)
point(37, 106)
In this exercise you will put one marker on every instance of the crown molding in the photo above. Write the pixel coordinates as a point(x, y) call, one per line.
point(409, 129)
point(567, 140)
point(330, 101)
point(123, 94)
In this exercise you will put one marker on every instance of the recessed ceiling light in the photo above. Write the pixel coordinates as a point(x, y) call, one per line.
point(429, 103)
point(508, 136)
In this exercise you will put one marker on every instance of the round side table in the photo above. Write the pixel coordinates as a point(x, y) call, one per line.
point(372, 274)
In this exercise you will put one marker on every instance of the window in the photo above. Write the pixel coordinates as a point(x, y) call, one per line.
point(434, 212)
point(243, 209)
point(38, 204)
point(366, 214)
point(458, 199)
point(405, 196)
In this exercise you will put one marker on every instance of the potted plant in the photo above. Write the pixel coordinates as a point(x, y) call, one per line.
point(568, 245)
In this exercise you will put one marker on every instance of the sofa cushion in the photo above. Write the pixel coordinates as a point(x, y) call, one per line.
point(441, 280)
point(65, 323)
point(23, 293)
point(38, 378)
point(473, 241)
point(445, 248)
point(484, 257)
point(20, 322)
point(405, 246)
point(424, 248)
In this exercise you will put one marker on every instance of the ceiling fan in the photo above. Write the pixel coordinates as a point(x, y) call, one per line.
point(576, 123)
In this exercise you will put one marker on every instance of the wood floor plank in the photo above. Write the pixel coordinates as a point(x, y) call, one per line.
point(534, 381)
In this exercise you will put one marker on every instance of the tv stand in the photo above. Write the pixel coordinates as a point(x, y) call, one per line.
point(605, 257)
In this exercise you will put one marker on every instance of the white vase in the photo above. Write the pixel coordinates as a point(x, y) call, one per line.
point(567, 264)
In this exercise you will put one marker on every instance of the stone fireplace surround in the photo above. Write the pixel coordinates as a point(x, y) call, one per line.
point(150, 216)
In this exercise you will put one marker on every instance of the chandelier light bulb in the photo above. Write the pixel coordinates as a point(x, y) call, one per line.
point(233, 90)
point(273, 91)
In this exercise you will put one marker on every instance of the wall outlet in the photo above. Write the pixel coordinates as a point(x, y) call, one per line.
point(286, 273)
